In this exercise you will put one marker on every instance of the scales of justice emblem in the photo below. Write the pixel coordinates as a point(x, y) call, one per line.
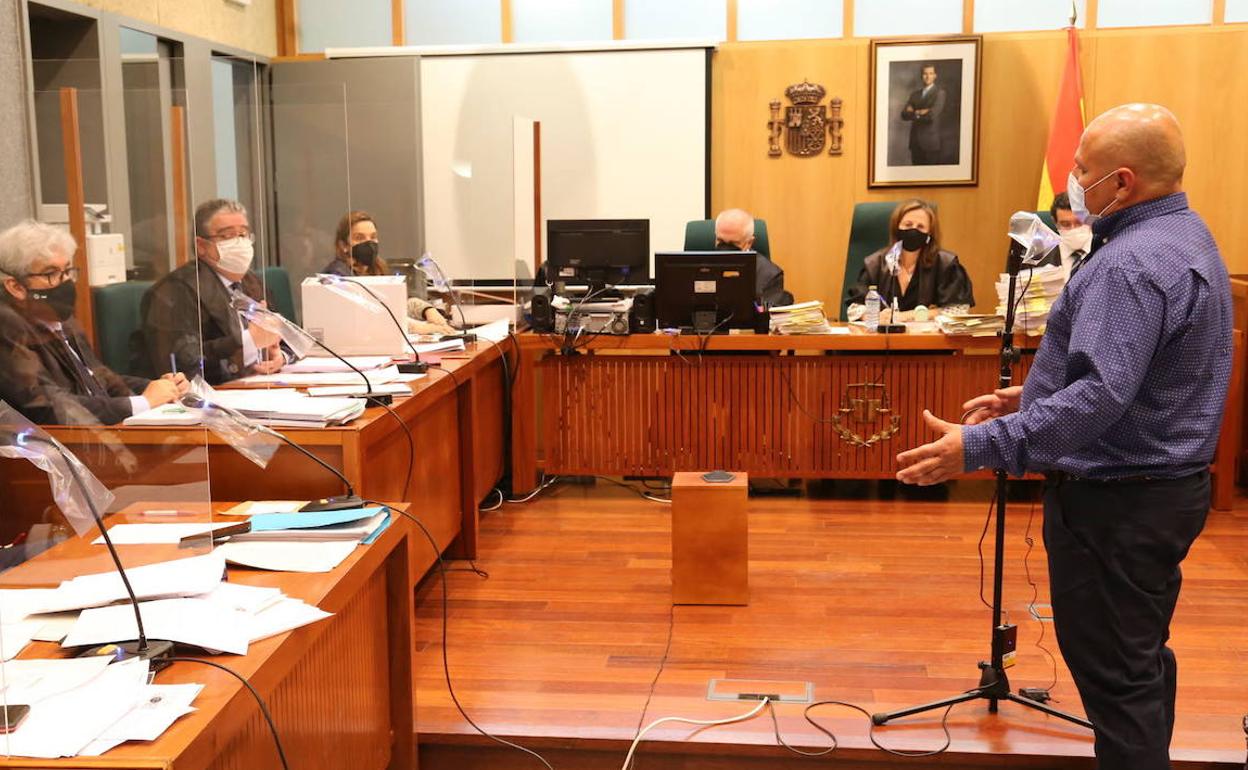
point(866, 405)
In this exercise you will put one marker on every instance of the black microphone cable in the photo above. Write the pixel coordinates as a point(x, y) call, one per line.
point(446, 665)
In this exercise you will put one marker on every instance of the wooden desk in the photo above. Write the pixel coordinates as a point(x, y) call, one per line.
point(456, 420)
point(340, 690)
point(770, 406)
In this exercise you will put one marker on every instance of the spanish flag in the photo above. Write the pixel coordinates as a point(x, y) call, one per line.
point(1066, 128)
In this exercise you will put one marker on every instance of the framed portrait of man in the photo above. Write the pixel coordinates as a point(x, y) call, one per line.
point(924, 112)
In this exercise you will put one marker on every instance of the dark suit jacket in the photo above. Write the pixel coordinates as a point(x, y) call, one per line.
point(39, 378)
point(769, 283)
point(188, 313)
point(945, 283)
point(925, 130)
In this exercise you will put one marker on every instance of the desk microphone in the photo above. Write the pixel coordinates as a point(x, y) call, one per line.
point(154, 651)
point(416, 367)
point(335, 503)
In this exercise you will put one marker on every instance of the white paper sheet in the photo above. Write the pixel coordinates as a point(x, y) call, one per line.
point(160, 706)
point(64, 724)
point(15, 636)
point(284, 616)
point(54, 625)
point(495, 331)
point(156, 534)
point(331, 364)
point(180, 577)
point(377, 377)
point(244, 598)
point(35, 680)
point(321, 556)
point(207, 624)
point(388, 389)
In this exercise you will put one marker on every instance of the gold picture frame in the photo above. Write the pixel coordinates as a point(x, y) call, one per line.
point(924, 111)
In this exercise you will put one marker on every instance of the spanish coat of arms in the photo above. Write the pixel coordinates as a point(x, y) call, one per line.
point(806, 124)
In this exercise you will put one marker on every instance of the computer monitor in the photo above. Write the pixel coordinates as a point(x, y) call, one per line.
point(598, 252)
point(707, 291)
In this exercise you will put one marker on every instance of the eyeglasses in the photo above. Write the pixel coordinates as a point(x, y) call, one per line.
point(56, 277)
point(229, 235)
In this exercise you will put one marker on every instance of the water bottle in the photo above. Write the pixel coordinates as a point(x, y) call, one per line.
point(872, 316)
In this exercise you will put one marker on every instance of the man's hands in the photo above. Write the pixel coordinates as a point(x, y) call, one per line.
point(992, 405)
point(165, 389)
point(271, 360)
point(935, 462)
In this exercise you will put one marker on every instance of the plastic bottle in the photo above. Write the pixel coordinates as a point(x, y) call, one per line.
point(872, 315)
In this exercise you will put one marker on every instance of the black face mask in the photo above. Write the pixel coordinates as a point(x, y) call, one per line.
point(913, 240)
point(365, 252)
point(722, 246)
point(59, 300)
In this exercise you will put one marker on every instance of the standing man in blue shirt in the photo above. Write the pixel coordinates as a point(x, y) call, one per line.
point(1121, 411)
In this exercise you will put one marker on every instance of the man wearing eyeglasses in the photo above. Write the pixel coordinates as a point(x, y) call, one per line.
point(189, 314)
point(48, 371)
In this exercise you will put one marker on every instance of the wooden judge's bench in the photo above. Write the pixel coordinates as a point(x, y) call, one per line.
point(809, 407)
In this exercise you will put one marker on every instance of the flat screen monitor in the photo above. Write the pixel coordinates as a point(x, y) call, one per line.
point(599, 252)
point(706, 291)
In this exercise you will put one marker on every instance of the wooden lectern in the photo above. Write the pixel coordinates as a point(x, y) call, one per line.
point(710, 540)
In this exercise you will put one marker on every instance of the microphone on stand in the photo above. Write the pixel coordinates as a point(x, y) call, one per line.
point(155, 651)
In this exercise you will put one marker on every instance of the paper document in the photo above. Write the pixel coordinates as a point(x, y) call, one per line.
point(322, 556)
point(376, 376)
point(331, 364)
point(155, 534)
point(495, 331)
point(15, 636)
point(166, 414)
point(440, 346)
point(158, 708)
point(200, 622)
point(395, 388)
point(181, 577)
point(254, 507)
point(64, 724)
point(36, 680)
point(286, 615)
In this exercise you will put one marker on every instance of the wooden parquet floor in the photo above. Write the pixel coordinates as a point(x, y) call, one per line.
point(874, 600)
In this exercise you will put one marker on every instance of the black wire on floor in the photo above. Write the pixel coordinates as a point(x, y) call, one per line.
point(446, 663)
point(654, 683)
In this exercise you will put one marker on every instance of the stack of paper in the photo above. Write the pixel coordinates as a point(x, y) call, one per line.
point(801, 318)
point(289, 407)
point(75, 702)
point(1037, 291)
point(330, 364)
point(301, 379)
point(973, 325)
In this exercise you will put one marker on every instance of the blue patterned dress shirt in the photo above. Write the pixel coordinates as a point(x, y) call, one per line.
point(1131, 376)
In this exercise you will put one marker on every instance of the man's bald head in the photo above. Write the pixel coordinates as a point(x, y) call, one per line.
point(1144, 138)
point(735, 227)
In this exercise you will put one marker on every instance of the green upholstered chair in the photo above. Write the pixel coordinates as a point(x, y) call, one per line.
point(116, 320)
point(868, 232)
point(700, 236)
point(277, 284)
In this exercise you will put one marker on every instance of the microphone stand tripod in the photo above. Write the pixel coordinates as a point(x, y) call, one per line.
point(994, 685)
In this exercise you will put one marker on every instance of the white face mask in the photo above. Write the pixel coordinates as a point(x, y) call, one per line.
point(1076, 191)
point(234, 255)
point(1077, 239)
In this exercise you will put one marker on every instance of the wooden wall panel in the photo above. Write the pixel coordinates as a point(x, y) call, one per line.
point(807, 202)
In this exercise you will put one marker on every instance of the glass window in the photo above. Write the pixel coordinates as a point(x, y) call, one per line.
point(673, 19)
point(452, 22)
point(1153, 13)
point(1236, 10)
point(1012, 15)
point(789, 19)
point(548, 21)
point(335, 24)
point(889, 18)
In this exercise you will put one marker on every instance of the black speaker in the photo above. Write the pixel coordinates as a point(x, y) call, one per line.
point(641, 317)
point(541, 314)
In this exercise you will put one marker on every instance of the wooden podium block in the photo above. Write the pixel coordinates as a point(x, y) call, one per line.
point(710, 540)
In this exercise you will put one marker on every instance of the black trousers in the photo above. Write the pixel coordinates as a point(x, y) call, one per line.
point(1114, 552)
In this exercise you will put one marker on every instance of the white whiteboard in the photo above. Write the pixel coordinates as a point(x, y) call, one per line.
point(624, 136)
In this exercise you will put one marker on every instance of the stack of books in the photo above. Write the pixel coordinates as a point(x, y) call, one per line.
point(972, 325)
point(801, 318)
point(1037, 290)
